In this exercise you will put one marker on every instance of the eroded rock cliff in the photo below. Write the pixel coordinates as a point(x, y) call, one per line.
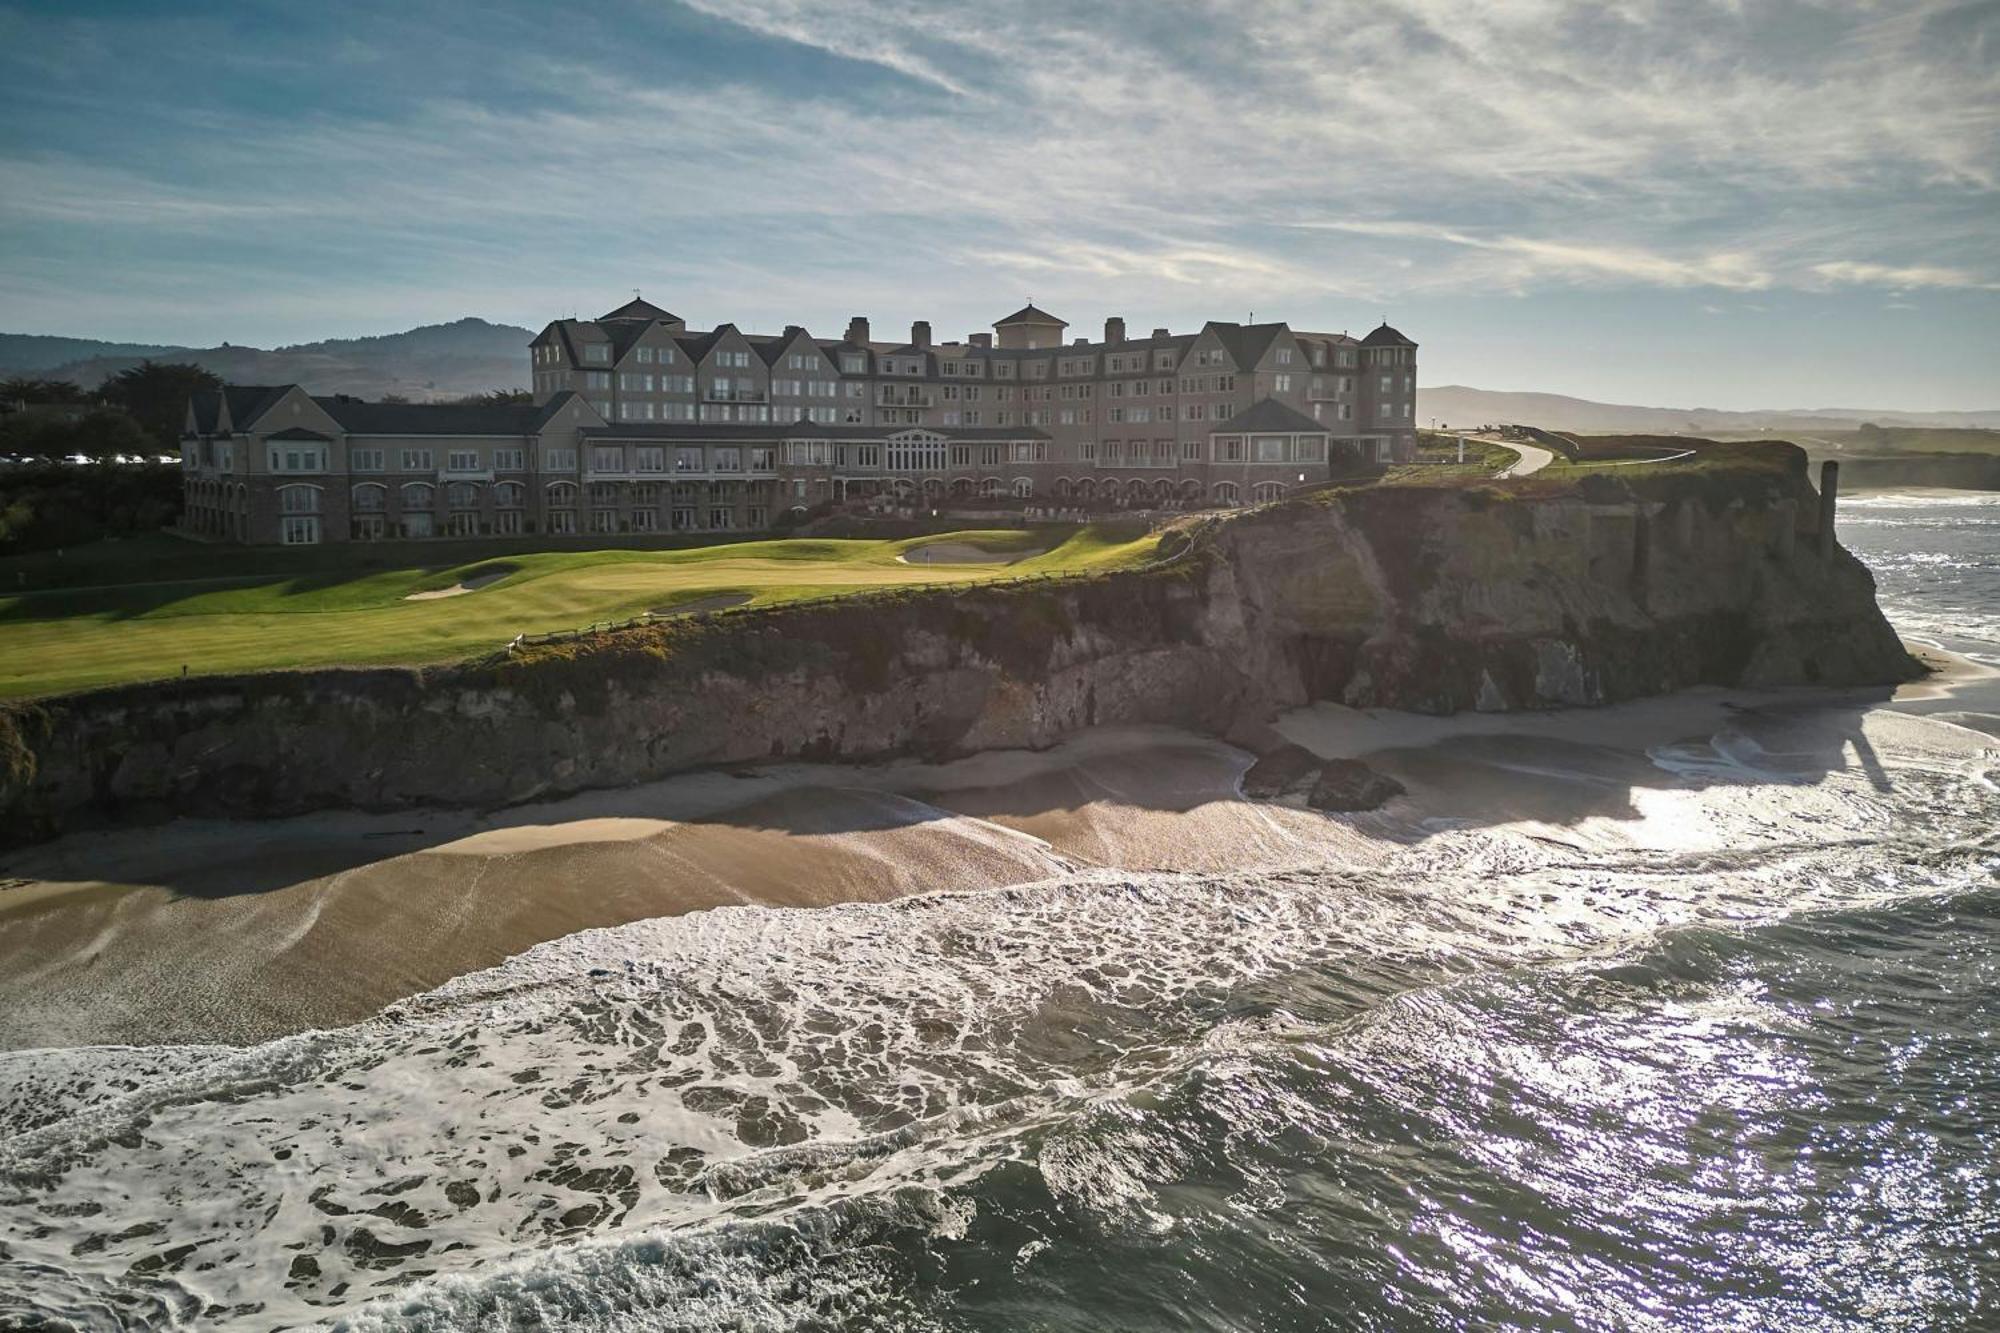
point(1433, 599)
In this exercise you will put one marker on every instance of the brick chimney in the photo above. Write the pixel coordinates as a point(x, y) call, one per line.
point(1114, 330)
point(1161, 333)
point(980, 339)
point(857, 329)
point(920, 333)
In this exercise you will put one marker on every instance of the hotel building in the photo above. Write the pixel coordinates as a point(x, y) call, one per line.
point(639, 425)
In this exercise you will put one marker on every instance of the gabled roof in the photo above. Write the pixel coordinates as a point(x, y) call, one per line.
point(1028, 314)
point(1268, 414)
point(1384, 336)
point(1246, 343)
point(625, 333)
point(246, 402)
point(557, 402)
point(359, 418)
point(641, 310)
point(297, 433)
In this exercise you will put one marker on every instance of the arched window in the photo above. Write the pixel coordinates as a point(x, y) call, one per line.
point(1062, 488)
point(1135, 489)
point(509, 494)
point(933, 487)
point(1024, 488)
point(462, 495)
point(562, 495)
point(1225, 492)
point(1086, 489)
point(1163, 489)
point(961, 487)
point(902, 486)
point(370, 497)
point(1267, 491)
point(298, 499)
point(419, 495)
point(1191, 489)
point(989, 486)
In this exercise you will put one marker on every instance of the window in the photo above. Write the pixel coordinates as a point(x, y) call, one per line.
point(604, 520)
point(294, 458)
point(1229, 448)
point(509, 495)
point(562, 521)
point(597, 379)
point(462, 495)
point(510, 460)
point(645, 520)
point(763, 459)
point(462, 460)
point(607, 458)
point(854, 365)
point(300, 530)
point(298, 500)
point(419, 495)
point(721, 519)
point(596, 353)
point(561, 494)
point(417, 460)
point(369, 498)
point(507, 523)
point(419, 523)
point(1191, 451)
point(364, 460)
point(688, 459)
point(559, 460)
point(368, 528)
point(1284, 356)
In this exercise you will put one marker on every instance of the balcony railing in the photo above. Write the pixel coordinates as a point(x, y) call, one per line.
point(905, 398)
point(715, 395)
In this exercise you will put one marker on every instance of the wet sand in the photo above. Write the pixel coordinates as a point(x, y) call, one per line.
point(235, 932)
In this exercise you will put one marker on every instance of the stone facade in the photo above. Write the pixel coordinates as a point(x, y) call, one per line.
point(640, 425)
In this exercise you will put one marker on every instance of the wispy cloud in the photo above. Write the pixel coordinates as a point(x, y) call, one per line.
point(1144, 155)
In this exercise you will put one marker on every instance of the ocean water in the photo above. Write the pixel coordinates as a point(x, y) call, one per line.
point(1507, 1080)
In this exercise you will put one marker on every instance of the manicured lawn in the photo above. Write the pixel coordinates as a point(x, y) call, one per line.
point(335, 612)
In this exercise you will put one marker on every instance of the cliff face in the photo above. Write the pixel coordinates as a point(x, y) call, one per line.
point(1427, 599)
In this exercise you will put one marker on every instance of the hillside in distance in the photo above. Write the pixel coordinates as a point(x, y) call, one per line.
point(1457, 405)
point(452, 360)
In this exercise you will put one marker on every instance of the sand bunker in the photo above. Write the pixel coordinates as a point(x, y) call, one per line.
point(964, 553)
point(722, 601)
point(463, 586)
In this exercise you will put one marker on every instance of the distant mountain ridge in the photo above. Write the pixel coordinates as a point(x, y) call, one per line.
point(433, 361)
point(469, 356)
point(1457, 405)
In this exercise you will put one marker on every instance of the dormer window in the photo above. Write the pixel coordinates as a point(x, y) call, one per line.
point(597, 353)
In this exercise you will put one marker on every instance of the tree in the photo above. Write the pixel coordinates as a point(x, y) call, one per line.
point(498, 397)
point(99, 435)
point(28, 389)
point(156, 393)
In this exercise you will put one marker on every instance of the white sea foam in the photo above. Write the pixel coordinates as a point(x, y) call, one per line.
point(616, 1129)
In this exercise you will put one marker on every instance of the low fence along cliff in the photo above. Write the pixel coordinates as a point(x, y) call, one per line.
point(1431, 599)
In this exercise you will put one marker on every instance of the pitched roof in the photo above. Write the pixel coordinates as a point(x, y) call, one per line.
point(1028, 314)
point(1384, 336)
point(359, 418)
point(1268, 414)
point(296, 433)
point(557, 402)
point(1246, 343)
point(246, 402)
point(642, 310)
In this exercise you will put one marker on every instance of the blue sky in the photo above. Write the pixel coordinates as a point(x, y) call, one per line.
point(1681, 202)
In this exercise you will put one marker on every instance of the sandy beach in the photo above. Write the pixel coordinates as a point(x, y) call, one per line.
point(237, 932)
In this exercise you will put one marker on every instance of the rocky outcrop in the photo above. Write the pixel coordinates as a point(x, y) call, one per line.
point(1416, 598)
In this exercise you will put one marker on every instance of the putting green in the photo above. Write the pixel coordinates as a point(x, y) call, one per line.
point(58, 641)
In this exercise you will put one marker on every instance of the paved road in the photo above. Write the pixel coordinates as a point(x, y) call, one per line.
point(1533, 458)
